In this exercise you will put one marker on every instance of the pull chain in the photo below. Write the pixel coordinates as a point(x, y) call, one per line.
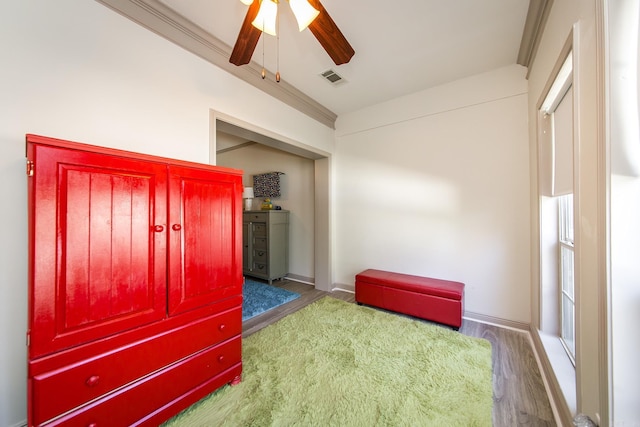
point(264, 72)
point(278, 46)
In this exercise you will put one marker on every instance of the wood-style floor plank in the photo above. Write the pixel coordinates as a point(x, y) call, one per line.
point(519, 395)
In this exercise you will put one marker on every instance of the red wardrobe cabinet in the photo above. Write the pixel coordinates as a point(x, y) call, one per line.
point(135, 284)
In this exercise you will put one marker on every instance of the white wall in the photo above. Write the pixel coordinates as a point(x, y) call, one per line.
point(75, 70)
point(589, 191)
point(297, 185)
point(436, 183)
point(625, 280)
point(624, 16)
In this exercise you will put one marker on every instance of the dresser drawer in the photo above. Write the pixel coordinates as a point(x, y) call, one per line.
point(200, 373)
point(260, 255)
point(256, 217)
point(61, 390)
point(260, 243)
point(259, 230)
point(259, 268)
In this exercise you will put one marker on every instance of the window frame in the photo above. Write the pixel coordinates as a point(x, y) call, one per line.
point(566, 274)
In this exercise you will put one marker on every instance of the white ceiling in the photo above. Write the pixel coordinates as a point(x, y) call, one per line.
point(401, 47)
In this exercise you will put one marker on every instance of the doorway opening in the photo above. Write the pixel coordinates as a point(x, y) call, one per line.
point(313, 226)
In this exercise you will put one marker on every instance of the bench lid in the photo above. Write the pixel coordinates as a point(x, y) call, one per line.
point(436, 287)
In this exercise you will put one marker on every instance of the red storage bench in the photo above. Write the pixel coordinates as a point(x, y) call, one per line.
point(431, 299)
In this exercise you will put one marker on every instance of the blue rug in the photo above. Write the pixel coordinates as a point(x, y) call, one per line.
point(259, 297)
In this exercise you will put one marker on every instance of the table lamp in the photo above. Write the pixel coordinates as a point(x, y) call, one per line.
point(247, 195)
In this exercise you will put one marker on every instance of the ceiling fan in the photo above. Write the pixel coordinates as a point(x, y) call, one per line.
point(322, 27)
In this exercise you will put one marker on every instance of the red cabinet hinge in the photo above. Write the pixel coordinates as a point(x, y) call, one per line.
point(30, 167)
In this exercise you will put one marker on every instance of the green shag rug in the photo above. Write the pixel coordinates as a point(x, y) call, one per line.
point(338, 364)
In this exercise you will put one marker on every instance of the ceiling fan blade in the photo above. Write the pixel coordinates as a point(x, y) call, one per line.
point(330, 36)
point(247, 38)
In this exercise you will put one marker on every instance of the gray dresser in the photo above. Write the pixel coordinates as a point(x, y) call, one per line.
point(265, 244)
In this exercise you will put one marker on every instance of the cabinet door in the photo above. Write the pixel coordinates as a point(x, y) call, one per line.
point(205, 237)
point(97, 262)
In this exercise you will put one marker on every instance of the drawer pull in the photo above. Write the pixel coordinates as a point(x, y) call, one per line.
point(92, 425)
point(222, 327)
point(176, 227)
point(260, 253)
point(92, 381)
point(220, 359)
point(158, 228)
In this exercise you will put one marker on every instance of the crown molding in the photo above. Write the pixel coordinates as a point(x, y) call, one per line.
point(167, 23)
point(533, 28)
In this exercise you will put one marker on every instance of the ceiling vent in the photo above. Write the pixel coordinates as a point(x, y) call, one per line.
point(332, 77)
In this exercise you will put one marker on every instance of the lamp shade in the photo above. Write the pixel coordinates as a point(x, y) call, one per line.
point(266, 19)
point(304, 12)
point(247, 193)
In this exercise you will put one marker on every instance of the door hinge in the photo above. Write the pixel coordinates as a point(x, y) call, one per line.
point(28, 338)
point(30, 167)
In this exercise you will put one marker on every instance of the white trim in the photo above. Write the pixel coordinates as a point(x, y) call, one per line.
point(164, 21)
point(605, 415)
point(578, 219)
point(568, 55)
point(322, 179)
point(251, 132)
point(351, 291)
point(346, 287)
point(560, 85)
point(496, 321)
point(300, 279)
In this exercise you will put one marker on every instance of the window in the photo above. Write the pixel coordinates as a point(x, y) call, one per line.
point(567, 294)
point(555, 139)
point(556, 187)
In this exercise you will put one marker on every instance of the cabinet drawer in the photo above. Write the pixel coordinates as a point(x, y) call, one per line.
point(259, 229)
point(259, 268)
point(204, 371)
point(260, 243)
point(256, 217)
point(260, 255)
point(94, 377)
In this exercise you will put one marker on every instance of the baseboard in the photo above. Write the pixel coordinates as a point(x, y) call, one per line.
point(302, 279)
point(311, 281)
point(22, 423)
point(496, 321)
point(344, 287)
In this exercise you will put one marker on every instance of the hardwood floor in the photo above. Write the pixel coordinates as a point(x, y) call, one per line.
point(519, 396)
